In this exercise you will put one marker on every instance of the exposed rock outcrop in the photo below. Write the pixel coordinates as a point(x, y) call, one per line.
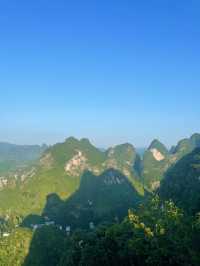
point(157, 155)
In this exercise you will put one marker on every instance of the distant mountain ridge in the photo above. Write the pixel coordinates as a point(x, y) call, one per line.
point(13, 156)
point(10, 151)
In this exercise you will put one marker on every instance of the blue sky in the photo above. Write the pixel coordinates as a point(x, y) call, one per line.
point(112, 71)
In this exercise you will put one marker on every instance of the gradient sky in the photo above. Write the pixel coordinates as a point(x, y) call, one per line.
point(112, 71)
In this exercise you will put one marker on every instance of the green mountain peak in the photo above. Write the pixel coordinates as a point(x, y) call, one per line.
point(85, 141)
point(156, 144)
point(195, 140)
point(71, 140)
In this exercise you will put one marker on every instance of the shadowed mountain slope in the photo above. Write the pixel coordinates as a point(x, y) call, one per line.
point(182, 183)
point(99, 199)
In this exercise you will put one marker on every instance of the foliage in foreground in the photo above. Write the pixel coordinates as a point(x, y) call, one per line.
point(157, 234)
point(15, 248)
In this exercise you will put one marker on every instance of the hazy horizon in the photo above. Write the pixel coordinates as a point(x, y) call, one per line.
point(100, 146)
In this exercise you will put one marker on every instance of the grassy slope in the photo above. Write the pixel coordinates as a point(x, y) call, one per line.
point(15, 248)
point(31, 197)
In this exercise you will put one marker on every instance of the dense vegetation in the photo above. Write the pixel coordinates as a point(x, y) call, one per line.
point(157, 233)
point(182, 183)
point(14, 248)
point(160, 228)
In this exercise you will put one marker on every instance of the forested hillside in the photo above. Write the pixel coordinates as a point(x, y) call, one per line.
point(78, 205)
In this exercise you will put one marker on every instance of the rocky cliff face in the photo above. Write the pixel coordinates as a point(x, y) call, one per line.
point(158, 156)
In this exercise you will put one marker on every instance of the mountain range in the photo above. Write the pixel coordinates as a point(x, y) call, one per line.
point(13, 157)
point(61, 167)
point(74, 185)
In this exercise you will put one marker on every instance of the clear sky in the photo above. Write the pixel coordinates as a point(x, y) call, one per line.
point(112, 71)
